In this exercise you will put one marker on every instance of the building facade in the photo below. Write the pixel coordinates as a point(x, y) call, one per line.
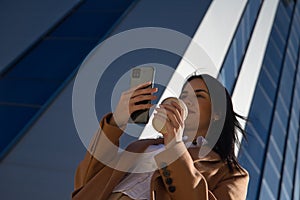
point(271, 152)
point(254, 45)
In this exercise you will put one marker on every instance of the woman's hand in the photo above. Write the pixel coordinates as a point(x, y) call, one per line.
point(128, 103)
point(174, 123)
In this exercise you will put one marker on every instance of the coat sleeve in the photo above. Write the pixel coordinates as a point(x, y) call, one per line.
point(183, 180)
point(104, 147)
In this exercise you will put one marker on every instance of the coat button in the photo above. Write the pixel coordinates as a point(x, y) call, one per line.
point(172, 189)
point(169, 181)
point(166, 173)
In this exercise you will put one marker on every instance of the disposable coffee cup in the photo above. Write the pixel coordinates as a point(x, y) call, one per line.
point(158, 124)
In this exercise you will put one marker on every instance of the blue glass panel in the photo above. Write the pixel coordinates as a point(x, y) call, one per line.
point(275, 152)
point(278, 132)
point(272, 178)
point(278, 37)
point(227, 72)
point(291, 51)
point(290, 62)
point(52, 59)
point(240, 43)
point(28, 91)
point(254, 8)
point(265, 192)
point(268, 80)
point(254, 152)
point(251, 168)
point(247, 18)
point(272, 68)
point(294, 43)
point(296, 193)
point(286, 83)
point(297, 26)
point(274, 52)
point(292, 138)
point(261, 104)
point(289, 165)
point(282, 20)
point(289, 8)
point(86, 24)
point(12, 119)
point(257, 129)
point(282, 110)
point(238, 46)
point(267, 84)
point(285, 193)
point(104, 5)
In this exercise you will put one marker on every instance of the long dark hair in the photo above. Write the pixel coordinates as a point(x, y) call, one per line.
point(227, 123)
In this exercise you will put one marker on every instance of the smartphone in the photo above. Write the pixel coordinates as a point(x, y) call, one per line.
point(141, 75)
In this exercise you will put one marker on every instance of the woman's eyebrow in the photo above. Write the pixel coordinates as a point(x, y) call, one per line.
point(201, 90)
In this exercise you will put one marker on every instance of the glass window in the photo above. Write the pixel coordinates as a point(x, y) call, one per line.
point(282, 110)
point(258, 138)
point(227, 71)
point(289, 8)
point(286, 84)
point(260, 102)
point(284, 194)
point(278, 132)
point(283, 18)
point(240, 43)
point(271, 176)
point(294, 43)
point(272, 68)
point(278, 37)
point(289, 165)
point(238, 46)
point(268, 85)
point(297, 177)
point(274, 52)
point(271, 77)
point(253, 8)
point(297, 25)
point(266, 192)
point(255, 151)
point(275, 151)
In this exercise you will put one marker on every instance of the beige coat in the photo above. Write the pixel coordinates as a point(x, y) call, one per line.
point(188, 177)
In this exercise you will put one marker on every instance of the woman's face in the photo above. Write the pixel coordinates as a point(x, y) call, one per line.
point(196, 96)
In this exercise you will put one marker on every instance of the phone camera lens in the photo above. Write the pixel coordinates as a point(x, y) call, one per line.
point(136, 73)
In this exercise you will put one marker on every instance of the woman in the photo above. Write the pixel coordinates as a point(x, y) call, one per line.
point(183, 171)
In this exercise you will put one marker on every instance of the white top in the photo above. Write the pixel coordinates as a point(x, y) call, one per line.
point(137, 185)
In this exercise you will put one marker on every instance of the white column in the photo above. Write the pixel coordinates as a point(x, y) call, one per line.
point(247, 80)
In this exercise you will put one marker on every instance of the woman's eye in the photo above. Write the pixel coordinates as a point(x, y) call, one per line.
point(199, 95)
